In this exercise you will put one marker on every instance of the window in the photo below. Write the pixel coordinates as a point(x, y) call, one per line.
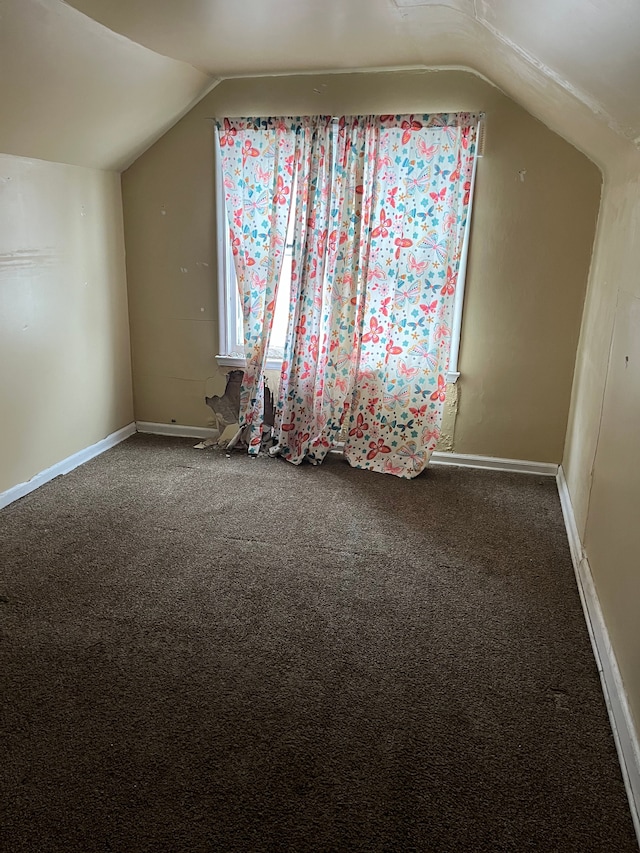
point(230, 324)
point(229, 308)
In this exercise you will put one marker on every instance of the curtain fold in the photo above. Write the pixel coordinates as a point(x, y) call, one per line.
point(381, 209)
point(320, 362)
point(258, 162)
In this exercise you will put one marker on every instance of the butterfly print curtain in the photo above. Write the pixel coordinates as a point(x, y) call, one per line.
point(380, 211)
point(319, 368)
point(257, 165)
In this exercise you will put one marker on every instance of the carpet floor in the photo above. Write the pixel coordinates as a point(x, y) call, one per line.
point(202, 653)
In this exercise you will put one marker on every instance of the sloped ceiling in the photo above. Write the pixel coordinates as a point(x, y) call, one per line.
point(120, 71)
point(74, 92)
point(591, 47)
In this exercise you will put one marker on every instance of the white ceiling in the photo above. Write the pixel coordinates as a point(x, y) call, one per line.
point(94, 81)
point(592, 47)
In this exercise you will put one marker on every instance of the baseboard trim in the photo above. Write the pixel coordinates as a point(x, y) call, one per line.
point(489, 463)
point(66, 465)
point(176, 430)
point(494, 463)
point(622, 725)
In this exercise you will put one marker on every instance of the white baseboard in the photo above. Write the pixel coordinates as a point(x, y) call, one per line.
point(622, 725)
point(177, 430)
point(490, 463)
point(494, 463)
point(66, 465)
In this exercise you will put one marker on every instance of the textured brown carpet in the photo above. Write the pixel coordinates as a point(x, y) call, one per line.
point(212, 654)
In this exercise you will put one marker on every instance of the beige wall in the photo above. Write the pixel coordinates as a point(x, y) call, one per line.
point(65, 378)
point(602, 455)
point(530, 251)
point(531, 245)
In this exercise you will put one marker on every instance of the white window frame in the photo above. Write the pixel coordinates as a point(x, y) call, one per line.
point(231, 350)
point(453, 374)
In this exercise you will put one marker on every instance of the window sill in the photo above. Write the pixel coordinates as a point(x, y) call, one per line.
point(239, 361)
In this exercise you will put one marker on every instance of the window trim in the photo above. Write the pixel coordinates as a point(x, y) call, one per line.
point(229, 355)
point(227, 299)
point(453, 374)
point(228, 294)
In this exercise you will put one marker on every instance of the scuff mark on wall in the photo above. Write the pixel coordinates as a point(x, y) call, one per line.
point(27, 259)
point(445, 442)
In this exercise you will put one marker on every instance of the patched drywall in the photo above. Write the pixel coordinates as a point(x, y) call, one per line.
point(449, 415)
point(534, 220)
point(65, 371)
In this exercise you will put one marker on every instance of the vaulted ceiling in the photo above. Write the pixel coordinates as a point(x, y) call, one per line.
point(94, 82)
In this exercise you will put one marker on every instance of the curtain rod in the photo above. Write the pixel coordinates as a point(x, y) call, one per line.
point(481, 115)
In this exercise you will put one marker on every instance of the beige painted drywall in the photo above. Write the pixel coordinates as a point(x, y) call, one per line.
point(531, 244)
point(534, 220)
point(65, 380)
point(72, 91)
point(602, 455)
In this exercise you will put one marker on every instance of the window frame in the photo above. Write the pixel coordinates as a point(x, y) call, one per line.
point(231, 356)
